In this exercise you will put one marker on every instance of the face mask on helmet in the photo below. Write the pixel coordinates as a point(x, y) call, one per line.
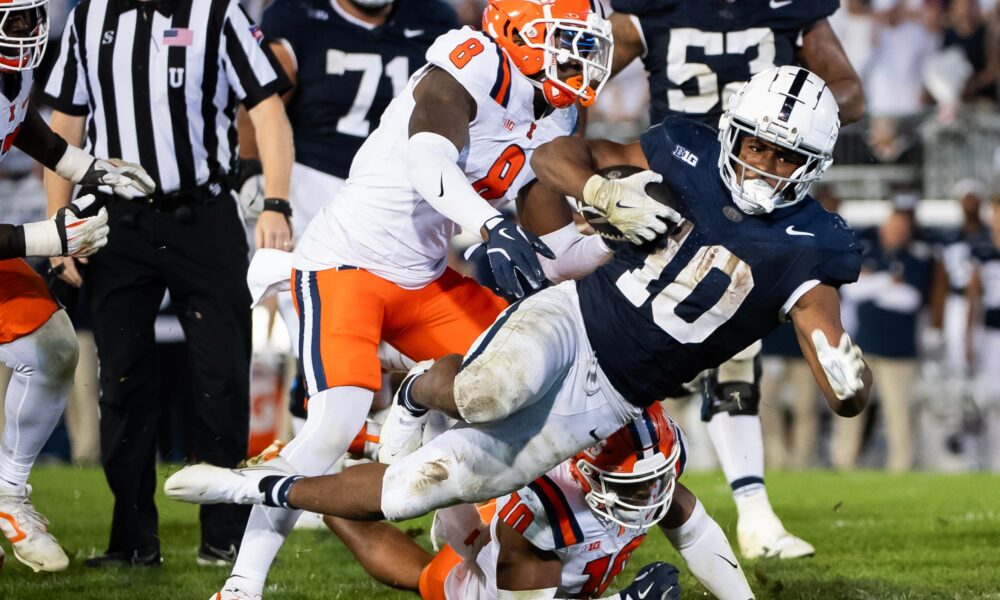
point(24, 32)
point(629, 478)
point(563, 46)
point(371, 5)
point(792, 109)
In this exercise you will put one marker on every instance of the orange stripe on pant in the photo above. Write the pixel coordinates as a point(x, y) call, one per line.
point(343, 314)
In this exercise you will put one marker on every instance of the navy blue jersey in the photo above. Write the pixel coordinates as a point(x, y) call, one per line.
point(782, 343)
point(701, 51)
point(660, 313)
point(884, 327)
point(347, 73)
point(955, 252)
point(986, 255)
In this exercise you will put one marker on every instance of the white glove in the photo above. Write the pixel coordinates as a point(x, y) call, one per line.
point(125, 179)
point(843, 365)
point(252, 197)
point(627, 206)
point(67, 233)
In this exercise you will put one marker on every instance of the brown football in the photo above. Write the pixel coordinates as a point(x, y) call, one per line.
point(660, 192)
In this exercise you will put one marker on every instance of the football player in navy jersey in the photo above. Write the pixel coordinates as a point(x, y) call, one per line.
point(696, 54)
point(984, 310)
point(574, 362)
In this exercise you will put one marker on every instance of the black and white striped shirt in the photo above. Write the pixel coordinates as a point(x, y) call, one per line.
point(160, 80)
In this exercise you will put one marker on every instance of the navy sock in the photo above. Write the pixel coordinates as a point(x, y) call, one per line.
point(406, 400)
point(276, 488)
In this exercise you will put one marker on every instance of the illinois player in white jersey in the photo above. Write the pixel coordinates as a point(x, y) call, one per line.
point(450, 150)
point(36, 337)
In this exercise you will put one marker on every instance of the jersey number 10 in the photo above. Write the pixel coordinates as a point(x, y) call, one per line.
point(713, 269)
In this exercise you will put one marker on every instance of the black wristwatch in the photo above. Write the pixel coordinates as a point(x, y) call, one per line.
point(278, 205)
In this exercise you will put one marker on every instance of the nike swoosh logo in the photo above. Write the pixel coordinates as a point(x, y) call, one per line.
point(503, 233)
point(790, 230)
point(731, 563)
point(593, 434)
point(645, 592)
point(441, 193)
point(780, 4)
point(412, 33)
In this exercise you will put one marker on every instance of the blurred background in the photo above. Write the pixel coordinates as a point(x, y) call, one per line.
point(919, 177)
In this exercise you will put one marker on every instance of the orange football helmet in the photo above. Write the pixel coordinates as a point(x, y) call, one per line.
point(24, 33)
point(540, 36)
point(629, 478)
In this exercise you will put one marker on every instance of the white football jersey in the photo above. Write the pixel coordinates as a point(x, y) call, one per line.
point(378, 221)
point(552, 514)
point(13, 110)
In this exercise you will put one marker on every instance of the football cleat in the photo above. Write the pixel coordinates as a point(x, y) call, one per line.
point(208, 484)
point(402, 432)
point(27, 531)
point(233, 593)
point(763, 536)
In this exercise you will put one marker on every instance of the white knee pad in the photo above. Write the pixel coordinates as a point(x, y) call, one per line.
point(490, 390)
point(58, 351)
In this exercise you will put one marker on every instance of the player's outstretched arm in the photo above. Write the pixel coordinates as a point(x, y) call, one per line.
point(822, 53)
point(525, 572)
point(835, 361)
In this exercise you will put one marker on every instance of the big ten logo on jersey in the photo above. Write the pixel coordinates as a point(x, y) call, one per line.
point(686, 155)
point(758, 41)
point(372, 69)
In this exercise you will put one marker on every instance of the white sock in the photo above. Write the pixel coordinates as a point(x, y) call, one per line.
point(43, 362)
point(752, 502)
point(708, 554)
point(335, 417)
point(739, 443)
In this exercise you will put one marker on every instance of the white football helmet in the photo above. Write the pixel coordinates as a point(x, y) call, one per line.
point(24, 33)
point(788, 106)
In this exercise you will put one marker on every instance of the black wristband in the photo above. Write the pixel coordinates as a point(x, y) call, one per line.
point(278, 205)
point(12, 242)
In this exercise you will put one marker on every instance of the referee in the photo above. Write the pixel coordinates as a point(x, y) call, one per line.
point(158, 82)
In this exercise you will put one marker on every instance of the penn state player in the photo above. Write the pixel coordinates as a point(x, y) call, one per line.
point(575, 362)
point(984, 311)
point(37, 340)
point(568, 534)
point(697, 53)
point(450, 149)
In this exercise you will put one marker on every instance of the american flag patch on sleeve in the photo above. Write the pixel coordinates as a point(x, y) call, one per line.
point(256, 33)
point(178, 37)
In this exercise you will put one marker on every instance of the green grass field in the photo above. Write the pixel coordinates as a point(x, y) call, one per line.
point(877, 536)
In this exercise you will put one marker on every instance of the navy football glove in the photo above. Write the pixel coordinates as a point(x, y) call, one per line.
point(655, 581)
point(510, 250)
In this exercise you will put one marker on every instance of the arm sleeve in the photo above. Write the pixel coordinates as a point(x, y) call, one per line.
point(38, 141)
point(577, 255)
point(432, 167)
point(251, 68)
point(66, 87)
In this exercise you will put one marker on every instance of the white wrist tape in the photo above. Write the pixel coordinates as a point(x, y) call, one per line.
point(42, 239)
point(74, 164)
point(432, 168)
point(577, 255)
